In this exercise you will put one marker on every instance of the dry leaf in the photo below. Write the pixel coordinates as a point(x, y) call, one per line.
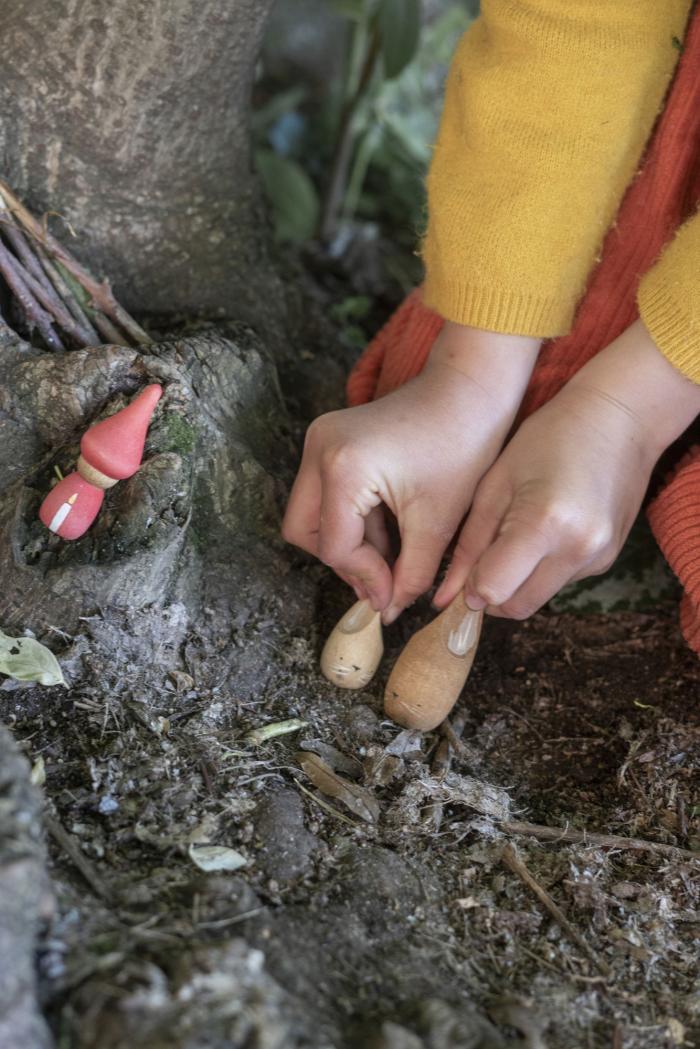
point(273, 729)
point(339, 762)
point(38, 773)
point(408, 744)
point(216, 858)
point(26, 659)
point(357, 799)
point(465, 790)
point(183, 682)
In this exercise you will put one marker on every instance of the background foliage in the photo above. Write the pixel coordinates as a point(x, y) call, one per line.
point(348, 102)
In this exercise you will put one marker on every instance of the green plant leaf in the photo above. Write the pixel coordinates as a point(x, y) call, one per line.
point(355, 10)
point(26, 659)
point(292, 195)
point(399, 26)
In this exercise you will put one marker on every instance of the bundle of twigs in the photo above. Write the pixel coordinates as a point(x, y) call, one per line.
point(58, 303)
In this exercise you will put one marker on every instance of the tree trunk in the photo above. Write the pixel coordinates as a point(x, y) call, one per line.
point(130, 119)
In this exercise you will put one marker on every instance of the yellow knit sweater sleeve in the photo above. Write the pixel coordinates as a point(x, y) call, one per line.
point(548, 106)
point(669, 300)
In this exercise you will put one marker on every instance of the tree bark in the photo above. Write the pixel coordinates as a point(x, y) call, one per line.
point(130, 119)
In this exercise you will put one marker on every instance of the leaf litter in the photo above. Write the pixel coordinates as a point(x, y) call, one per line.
point(409, 921)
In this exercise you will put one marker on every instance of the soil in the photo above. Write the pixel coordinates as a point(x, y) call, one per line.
point(401, 932)
point(380, 915)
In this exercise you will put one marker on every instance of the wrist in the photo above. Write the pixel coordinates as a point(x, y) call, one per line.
point(500, 364)
point(633, 376)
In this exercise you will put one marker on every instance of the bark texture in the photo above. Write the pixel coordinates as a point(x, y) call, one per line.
point(25, 900)
point(198, 521)
point(130, 118)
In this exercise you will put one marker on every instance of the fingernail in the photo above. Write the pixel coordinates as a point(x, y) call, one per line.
point(474, 602)
point(390, 614)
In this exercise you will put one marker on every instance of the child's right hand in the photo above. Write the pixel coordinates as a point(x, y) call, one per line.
point(419, 451)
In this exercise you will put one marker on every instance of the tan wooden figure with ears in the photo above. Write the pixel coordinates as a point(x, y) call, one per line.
point(431, 671)
point(354, 648)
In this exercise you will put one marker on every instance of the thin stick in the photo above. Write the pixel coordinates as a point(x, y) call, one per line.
point(449, 745)
point(76, 855)
point(36, 316)
point(56, 308)
point(606, 841)
point(66, 294)
point(21, 247)
point(513, 862)
point(101, 292)
point(324, 805)
point(107, 330)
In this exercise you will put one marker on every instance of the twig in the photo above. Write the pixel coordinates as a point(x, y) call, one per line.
point(21, 248)
point(446, 749)
point(682, 817)
point(66, 294)
point(105, 327)
point(224, 923)
point(69, 845)
point(56, 307)
point(606, 841)
point(513, 862)
point(37, 317)
point(324, 804)
point(100, 292)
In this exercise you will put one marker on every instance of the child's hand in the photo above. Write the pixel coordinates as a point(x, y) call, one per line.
point(559, 502)
point(420, 452)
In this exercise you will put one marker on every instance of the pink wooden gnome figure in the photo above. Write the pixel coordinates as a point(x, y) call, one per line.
point(110, 451)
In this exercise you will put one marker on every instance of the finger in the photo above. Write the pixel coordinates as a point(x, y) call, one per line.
point(342, 545)
point(505, 566)
point(417, 564)
point(547, 579)
point(376, 532)
point(302, 517)
point(478, 533)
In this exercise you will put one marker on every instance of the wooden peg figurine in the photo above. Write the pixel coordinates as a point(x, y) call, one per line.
point(110, 451)
point(354, 648)
point(431, 671)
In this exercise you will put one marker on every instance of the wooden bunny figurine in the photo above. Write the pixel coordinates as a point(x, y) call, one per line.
point(354, 648)
point(431, 671)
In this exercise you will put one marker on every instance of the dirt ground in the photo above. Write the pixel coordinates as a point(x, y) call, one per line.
point(394, 923)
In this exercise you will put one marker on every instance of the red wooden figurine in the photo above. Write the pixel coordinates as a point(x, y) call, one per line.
point(110, 451)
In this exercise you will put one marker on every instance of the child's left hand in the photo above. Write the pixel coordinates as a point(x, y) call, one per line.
point(559, 502)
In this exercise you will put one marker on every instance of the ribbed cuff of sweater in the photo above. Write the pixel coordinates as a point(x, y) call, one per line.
point(670, 325)
point(502, 310)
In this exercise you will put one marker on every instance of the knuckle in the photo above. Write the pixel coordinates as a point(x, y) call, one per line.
point(590, 541)
point(339, 461)
point(315, 431)
point(490, 592)
point(557, 519)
